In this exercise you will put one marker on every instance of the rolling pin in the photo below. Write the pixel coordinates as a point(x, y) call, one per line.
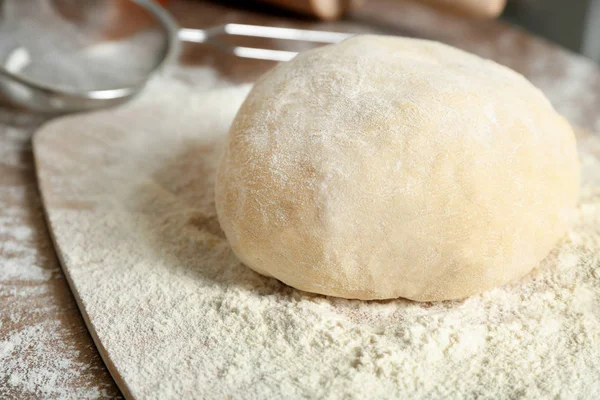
point(481, 9)
point(322, 9)
point(334, 9)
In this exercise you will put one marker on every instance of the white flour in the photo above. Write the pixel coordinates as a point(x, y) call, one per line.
point(42, 354)
point(131, 207)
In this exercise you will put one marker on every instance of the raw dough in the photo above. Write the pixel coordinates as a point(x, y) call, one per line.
point(389, 167)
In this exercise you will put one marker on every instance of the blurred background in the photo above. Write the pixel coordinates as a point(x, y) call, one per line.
point(56, 54)
point(574, 24)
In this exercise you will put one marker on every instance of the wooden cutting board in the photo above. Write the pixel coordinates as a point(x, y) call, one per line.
point(86, 172)
point(129, 201)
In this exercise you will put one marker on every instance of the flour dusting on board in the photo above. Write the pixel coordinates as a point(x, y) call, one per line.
point(40, 354)
point(130, 202)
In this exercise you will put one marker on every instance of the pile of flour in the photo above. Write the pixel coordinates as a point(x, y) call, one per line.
point(129, 195)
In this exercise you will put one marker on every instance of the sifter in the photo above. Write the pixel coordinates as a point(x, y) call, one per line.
point(62, 56)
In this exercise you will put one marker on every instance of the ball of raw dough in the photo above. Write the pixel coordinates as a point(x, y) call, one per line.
point(388, 167)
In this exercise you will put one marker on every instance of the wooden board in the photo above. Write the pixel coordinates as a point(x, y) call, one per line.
point(46, 349)
point(70, 149)
point(128, 196)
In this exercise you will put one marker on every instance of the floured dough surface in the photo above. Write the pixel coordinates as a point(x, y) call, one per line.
point(390, 167)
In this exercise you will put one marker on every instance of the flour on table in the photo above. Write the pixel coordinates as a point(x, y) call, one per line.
point(41, 351)
point(129, 194)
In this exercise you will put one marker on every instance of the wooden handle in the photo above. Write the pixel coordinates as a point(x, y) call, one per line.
point(323, 9)
point(334, 9)
point(483, 9)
